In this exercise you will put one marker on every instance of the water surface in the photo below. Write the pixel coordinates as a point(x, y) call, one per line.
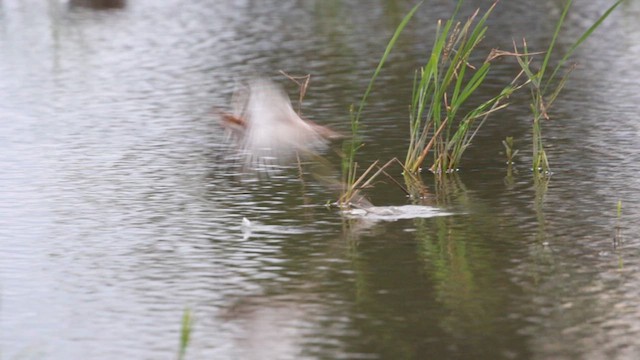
point(120, 205)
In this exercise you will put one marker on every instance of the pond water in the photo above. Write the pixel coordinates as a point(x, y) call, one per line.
point(120, 208)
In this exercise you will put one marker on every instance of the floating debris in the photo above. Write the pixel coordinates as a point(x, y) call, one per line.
point(250, 228)
point(246, 228)
point(393, 213)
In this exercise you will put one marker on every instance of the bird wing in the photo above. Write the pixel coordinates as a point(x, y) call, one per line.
point(273, 128)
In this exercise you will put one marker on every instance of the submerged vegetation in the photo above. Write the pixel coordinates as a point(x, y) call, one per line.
point(441, 123)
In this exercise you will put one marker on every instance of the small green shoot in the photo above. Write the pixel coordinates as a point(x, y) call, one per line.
point(185, 333)
point(508, 149)
point(617, 236)
point(619, 208)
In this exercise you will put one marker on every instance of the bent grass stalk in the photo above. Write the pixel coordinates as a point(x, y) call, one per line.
point(545, 89)
point(351, 198)
point(302, 85)
point(441, 89)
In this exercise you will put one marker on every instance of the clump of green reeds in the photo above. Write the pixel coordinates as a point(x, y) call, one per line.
point(351, 181)
point(545, 86)
point(438, 121)
point(441, 121)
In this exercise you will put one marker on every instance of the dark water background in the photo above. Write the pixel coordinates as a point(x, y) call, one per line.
point(119, 207)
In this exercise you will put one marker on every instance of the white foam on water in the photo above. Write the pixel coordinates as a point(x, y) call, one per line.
point(393, 213)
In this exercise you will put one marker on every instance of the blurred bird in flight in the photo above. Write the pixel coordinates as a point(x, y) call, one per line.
point(267, 128)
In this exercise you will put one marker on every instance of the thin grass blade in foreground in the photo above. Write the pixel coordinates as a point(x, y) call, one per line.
point(584, 36)
point(351, 147)
point(384, 57)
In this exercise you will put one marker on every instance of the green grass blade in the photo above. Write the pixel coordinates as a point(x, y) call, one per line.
point(479, 29)
point(525, 66)
point(387, 51)
point(458, 88)
point(591, 29)
point(556, 92)
point(185, 333)
point(545, 62)
point(584, 37)
point(474, 82)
